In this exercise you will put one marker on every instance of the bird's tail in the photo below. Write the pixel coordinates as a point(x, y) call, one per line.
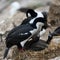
point(6, 52)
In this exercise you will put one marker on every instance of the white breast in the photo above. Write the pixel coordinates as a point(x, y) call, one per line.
point(23, 42)
point(41, 33)
point(38, 29)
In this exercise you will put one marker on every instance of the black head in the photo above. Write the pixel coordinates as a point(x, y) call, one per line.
point(6, 53)
point(31, 12)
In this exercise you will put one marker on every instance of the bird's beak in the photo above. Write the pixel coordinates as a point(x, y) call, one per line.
point(6, 52)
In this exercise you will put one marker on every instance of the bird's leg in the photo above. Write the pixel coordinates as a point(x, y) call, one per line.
point(20, 47)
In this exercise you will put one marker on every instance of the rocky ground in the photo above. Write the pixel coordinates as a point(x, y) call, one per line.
point(50, 53)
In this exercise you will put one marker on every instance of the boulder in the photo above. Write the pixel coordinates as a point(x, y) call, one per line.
point(6, 23)
point(54, 13)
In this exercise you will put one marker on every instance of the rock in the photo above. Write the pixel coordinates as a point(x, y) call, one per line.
point(56, 39)
point(13, 52)
point(54, 13)
point(48, 53)
point(56, 58)
point(44, 8)
point(6, 24)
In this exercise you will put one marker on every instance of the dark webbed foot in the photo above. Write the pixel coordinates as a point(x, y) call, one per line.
point(21, 49)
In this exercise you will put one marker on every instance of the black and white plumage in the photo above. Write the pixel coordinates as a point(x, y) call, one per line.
point(32, 14)
point(37, 44)
point(20, 34)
